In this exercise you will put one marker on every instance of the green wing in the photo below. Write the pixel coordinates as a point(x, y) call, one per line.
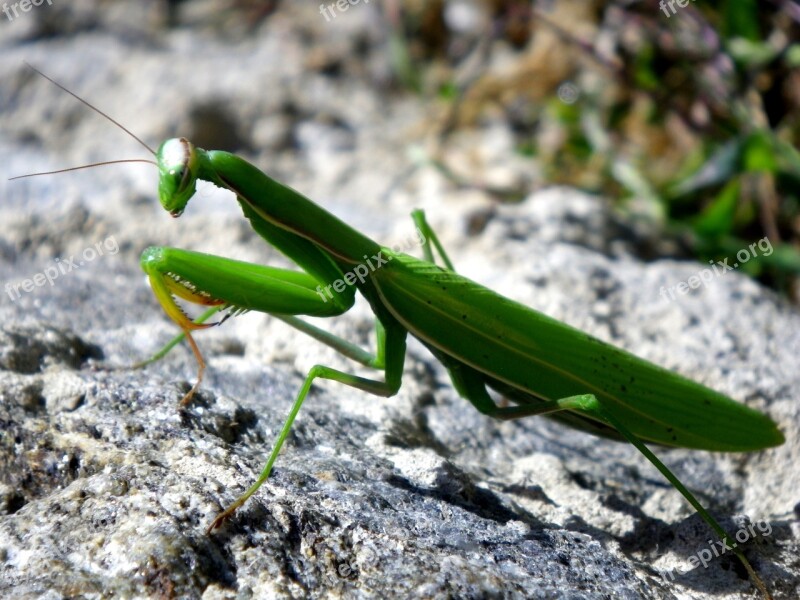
point(547, 359)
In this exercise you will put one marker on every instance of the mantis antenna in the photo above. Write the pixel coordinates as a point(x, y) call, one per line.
point(100, 112)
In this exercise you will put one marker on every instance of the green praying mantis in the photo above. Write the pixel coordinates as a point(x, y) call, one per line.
point(484, 340)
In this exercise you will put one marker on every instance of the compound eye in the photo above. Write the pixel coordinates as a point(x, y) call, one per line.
point(186, 174)
point(179, 155)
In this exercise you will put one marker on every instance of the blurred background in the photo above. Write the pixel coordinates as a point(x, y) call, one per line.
point(686, 118)
point(578, 156)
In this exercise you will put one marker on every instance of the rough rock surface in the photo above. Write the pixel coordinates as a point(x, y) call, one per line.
point(107, 486)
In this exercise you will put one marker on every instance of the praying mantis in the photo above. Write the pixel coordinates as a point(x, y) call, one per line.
point(484, 340)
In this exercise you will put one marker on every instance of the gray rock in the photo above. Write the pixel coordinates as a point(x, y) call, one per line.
point(107, 485)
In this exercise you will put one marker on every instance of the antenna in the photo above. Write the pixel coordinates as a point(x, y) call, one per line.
point(97, 164)
point(94, 108)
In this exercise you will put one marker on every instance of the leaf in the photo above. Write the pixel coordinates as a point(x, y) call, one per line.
point(788, 158)
point(635, 182)
point(720, 167)
point(751, 54)
point(792, 56)
point(785, 258)
point(759, 154)
point(740, 19)
point(717, 219)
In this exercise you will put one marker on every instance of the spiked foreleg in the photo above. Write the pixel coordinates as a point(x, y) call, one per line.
point(214, 281)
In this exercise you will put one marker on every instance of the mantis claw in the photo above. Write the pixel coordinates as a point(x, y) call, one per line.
point(215, 524)
point(165, 286)
point(201, 369)
point(225, 515)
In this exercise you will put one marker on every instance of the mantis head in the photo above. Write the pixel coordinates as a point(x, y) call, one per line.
point(177, 160)
point(177, 167)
